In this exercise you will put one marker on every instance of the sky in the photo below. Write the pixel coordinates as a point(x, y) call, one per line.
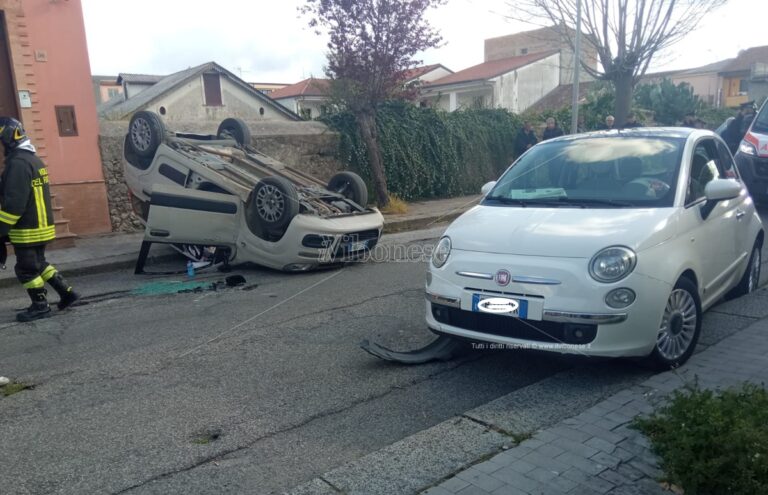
point(267, 40)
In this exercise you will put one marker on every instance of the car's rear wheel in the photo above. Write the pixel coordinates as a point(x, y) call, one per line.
point(274, 202)
point(750, 281)
point(680, 326)
point(351, 186)
point(236, 129)
point(145, 132)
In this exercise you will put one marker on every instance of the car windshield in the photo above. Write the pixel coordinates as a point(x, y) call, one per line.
point(761, 121)
point(596, 172)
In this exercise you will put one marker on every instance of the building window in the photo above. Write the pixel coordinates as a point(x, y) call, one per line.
point(65, 117)
point(306, 113)
point(112, 92)
point(523, 51)
point(212, 89)
point(743, 87)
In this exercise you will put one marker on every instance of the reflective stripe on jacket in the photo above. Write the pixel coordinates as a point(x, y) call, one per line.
point(26, 215)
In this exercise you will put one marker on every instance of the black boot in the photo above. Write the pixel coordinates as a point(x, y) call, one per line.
point(66, 294)
point(38, 309)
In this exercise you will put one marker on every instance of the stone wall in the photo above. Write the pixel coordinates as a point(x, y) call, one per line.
point(307, 146)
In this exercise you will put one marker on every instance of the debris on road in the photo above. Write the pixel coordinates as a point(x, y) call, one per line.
point(443, 348)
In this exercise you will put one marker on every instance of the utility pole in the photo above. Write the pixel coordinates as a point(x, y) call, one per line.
point(576, 67)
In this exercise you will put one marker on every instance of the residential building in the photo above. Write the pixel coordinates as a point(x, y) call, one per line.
point(545, 39)
point(309, 98)
point(105, 88)
point(514, 83)
point(267, 88)
point(745, 77)
point(206, 93)
point(133, 84)
point(426, 74)
point(726, 83)
point(44, 74)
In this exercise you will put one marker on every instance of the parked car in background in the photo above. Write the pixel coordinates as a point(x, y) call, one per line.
point(603, 244)
point(216, 190)
point(752, 156)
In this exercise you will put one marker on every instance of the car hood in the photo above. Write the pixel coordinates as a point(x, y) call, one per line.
point(560, 232)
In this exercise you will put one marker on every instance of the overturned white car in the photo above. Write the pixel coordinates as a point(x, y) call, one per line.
point(216, 190)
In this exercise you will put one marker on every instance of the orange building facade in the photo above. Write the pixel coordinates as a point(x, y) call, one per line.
point(45, 81)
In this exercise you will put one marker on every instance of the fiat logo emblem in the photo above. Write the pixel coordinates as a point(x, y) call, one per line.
point(503, 277)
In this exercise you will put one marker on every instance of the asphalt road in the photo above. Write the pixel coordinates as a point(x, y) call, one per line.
point(251, 389)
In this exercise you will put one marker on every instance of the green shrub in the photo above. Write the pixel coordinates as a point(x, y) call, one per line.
point(430, 153)
point(713, 443)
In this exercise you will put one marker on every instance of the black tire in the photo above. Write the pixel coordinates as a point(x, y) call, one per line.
point(274, 202)
point(351, 186)
point(750, 281)
point(680, 327)
point(236, 129)
point(131, 157)
point(145, 131)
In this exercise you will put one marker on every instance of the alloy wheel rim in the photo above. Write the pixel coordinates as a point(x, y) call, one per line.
point(678, 326)
point(270, 203)
point(141, 134)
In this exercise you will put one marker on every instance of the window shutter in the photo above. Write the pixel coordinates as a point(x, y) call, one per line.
point(212, 89)
point(65, 118)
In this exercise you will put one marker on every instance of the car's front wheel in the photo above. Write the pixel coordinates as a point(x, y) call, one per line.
point(680, 327)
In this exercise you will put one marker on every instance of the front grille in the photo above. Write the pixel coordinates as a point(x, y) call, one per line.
point(505, 326)
point(356, 243)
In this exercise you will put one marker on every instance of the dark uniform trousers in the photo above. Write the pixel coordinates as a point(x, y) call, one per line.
point(32, 270)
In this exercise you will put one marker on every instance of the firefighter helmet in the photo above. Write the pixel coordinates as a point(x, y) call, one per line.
point(11, 133)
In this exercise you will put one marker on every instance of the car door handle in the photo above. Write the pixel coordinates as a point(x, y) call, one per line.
point(739, 214)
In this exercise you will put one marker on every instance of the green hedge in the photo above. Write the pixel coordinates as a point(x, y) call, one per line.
point(713, 443)
point(430, 153)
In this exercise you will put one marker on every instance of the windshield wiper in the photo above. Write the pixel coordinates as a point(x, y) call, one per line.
point(554, 201)
point(595, 202)
point(504, 199)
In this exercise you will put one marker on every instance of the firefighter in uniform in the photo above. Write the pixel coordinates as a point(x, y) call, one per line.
point(26, 218)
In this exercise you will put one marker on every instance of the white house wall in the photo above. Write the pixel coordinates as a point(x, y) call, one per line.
point(314, 104)
point(132, 89)
point(187, 103)
point(521, 88)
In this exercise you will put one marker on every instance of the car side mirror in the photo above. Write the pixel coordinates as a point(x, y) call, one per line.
point(722, 189)
point(487, 187)
point(718, 190)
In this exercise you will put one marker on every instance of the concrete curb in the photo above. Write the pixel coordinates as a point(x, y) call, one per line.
point(391, 227)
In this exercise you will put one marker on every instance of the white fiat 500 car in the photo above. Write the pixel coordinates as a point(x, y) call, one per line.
point(603, 244)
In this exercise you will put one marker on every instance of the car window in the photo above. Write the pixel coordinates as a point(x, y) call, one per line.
point(760, 123)
point(726, 159)
point(705, 166)
point(615, 171)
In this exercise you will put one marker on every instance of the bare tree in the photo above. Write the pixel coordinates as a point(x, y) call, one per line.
point(625, 34)
point(372, 45)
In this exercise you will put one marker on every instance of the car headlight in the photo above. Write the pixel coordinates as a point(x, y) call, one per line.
point(612, 264)
point(747, 148)
point(441, 253)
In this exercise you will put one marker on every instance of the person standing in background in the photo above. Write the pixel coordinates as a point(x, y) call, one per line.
point(526, 138)
point(552, 130)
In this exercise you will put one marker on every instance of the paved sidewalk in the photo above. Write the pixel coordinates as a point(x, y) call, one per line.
point(596, 452)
